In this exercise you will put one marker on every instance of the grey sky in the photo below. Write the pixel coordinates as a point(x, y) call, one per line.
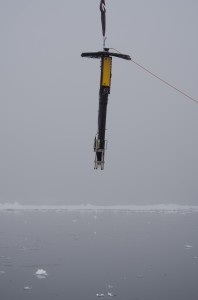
point(49, 102)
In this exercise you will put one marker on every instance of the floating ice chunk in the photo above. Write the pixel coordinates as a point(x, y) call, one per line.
point(188, 246)
point(100, 295)
point(26, 288)
point(4, 257)
point(2, 272)
point(110, 294)
point(41, 274)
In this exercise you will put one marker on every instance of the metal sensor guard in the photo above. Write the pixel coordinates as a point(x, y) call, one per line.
point(99, 154)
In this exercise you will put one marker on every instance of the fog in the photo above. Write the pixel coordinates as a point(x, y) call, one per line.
point(49, 103)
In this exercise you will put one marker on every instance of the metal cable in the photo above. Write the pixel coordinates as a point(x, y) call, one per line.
point(162, 80)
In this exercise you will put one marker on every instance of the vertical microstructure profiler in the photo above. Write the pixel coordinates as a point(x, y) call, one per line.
point(105, 84)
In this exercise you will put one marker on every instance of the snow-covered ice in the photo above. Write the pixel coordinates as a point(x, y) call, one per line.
point(2, 272)
point(110, 294)
point(27, 288)
point(162, 208)
point(188, 246)
point(41, 274)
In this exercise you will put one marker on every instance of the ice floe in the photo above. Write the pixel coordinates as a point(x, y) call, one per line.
point(162, 208)
point(41, 274)
point(188, 246)
point(2, 272)
point(5, 257)
point(110, 294)
point(27, 288)
point(100, 295)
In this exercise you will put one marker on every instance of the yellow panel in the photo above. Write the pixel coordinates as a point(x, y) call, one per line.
point(106, 71)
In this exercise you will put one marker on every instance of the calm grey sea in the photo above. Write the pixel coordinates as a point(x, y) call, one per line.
point(98, 254)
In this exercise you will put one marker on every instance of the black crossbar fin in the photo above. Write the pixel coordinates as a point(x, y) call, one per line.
point(105, 54)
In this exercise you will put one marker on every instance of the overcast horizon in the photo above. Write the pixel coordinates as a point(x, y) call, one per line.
point(49, 103)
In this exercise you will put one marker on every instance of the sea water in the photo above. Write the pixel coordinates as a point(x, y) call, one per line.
point(148, 254)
